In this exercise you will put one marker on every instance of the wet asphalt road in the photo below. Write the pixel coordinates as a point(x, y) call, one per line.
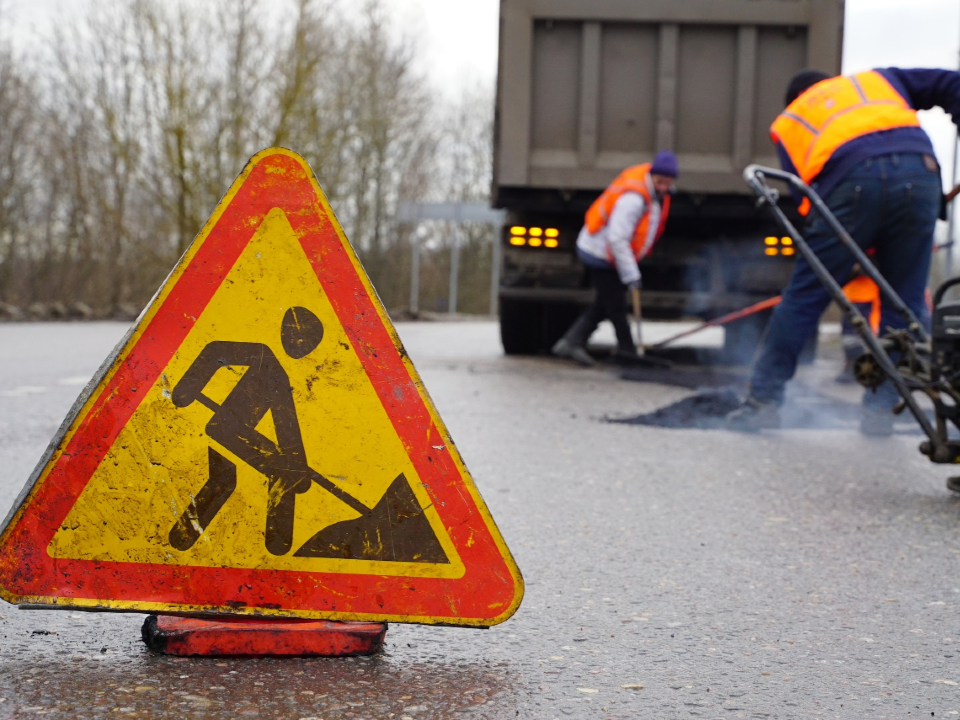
point(669, 573)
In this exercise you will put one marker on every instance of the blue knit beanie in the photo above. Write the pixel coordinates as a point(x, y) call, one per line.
point(665, 163)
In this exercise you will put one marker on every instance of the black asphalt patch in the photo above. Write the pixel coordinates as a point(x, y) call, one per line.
point(805, 409)
point(704, 410)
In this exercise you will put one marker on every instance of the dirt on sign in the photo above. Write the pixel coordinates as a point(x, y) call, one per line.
point(261, 444)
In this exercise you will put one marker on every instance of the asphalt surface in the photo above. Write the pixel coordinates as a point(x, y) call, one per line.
point(669, 573)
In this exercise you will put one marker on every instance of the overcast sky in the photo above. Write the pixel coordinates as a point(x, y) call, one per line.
point(459, 39)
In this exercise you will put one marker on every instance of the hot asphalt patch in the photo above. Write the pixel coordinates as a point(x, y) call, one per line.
point(706, 410)
point(805, 409)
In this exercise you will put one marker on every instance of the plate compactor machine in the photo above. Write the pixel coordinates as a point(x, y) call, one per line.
point(915, 361)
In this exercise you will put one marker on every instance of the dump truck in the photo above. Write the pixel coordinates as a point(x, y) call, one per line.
point(588, 87)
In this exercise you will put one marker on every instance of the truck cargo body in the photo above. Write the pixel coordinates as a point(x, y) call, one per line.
point(589, 87)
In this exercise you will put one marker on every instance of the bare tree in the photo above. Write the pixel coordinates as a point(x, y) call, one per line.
point(136, 119)
point(393, 149)
point(463, 172)
point(244, 96)
point(179, 100)
point(90, 154)
point(17, 118)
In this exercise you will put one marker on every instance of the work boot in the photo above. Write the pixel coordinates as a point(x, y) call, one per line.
point(753, 415)
point(573, 343)
point(566, 349)
point(876, 423)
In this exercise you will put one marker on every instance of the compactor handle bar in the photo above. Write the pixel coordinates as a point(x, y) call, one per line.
point(756, 177)
point(942, 290)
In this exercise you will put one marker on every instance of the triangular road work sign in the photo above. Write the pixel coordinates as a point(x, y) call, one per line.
point(260, 444)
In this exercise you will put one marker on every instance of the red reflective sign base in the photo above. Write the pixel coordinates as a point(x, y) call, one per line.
point(172, 635)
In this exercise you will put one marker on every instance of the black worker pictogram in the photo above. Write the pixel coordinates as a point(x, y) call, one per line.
point(395, 529)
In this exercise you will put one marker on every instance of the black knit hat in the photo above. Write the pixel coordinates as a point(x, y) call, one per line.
point(802, 81)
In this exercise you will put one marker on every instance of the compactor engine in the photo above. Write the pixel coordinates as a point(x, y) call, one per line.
point(945, 338)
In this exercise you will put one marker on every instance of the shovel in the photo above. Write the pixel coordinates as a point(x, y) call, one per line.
point(637, 320)
point(641, 359)
point(716, 322)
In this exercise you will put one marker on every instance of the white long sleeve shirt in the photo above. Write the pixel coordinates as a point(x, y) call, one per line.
point(617, 235)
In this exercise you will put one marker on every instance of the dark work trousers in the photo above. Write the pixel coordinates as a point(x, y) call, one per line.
point(610, 303)
point(889, 203)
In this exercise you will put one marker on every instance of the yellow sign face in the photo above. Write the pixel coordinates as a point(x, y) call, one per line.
point(158, 464)
point(261, 444)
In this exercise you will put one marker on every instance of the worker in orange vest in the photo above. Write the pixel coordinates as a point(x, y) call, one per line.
point(620, 229)
point(857, 140)
point(863, 292)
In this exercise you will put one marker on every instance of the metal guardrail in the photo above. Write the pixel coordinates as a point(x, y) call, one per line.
point(455, 212)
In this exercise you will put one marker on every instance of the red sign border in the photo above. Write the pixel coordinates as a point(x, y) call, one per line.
point(489, 591)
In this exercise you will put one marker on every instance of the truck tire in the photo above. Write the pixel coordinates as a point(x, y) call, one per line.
point(520, 323)
point(557, 319)
point(528, 327)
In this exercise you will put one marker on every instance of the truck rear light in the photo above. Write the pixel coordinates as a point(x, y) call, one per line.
point(534, 236)
point(779, 246)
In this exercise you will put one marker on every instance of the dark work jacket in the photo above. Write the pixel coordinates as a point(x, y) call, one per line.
point(922, 89)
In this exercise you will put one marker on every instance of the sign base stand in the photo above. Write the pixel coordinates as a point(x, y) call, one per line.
point(259, 637)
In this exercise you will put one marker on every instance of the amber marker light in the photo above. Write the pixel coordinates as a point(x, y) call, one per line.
point(518, 230)
point(535, 242)
point(788, 251)
point(786, 241)
point(552, 232)
point(518, 240)
point(551, 242)
point(772, 251)
point(536, 232)
point(770, 241)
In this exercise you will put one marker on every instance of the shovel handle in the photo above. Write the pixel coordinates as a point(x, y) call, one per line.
point(208, 403)
point(636, 316)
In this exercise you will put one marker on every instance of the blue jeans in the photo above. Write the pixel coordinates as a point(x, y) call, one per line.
point(889, 203)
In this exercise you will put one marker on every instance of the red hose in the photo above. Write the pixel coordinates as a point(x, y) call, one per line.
point(722, 320)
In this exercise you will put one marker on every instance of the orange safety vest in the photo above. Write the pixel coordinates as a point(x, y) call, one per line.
point(633, 179)
point(861, 290)
point(834, 112)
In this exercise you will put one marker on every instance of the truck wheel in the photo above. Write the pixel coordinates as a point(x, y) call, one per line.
point(530, 327)
point(557, 319)
point(520, 324)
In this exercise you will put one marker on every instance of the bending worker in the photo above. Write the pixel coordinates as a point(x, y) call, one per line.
point(857, 141)
point(621, 228)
